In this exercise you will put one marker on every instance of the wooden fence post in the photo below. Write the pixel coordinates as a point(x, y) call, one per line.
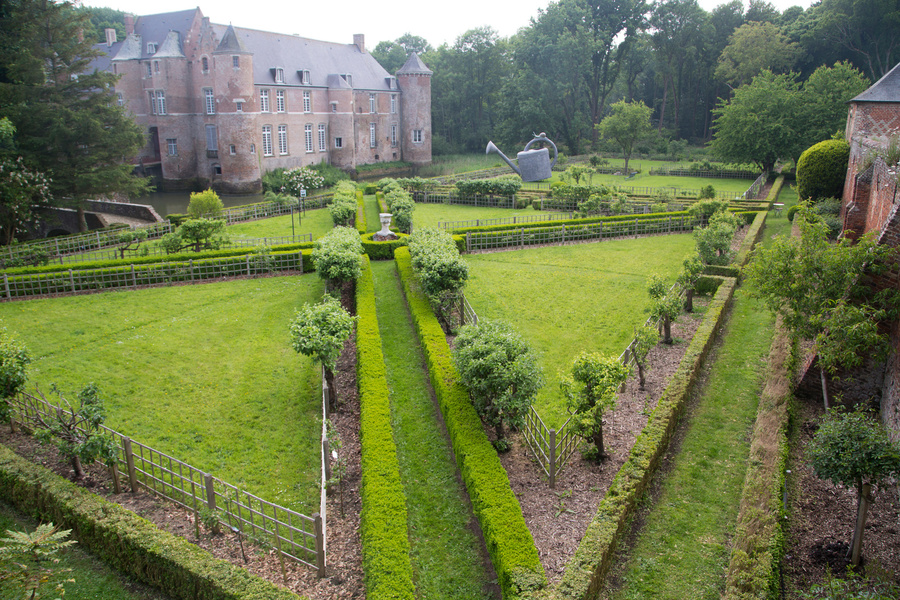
point(563, 234)
point(117, 485)
point(210, 492)
point(468, 249)
point(191, 264)
point(552, 468)
point(133, 276)
point(320, 545)
point(129, 463)
point(6, 285)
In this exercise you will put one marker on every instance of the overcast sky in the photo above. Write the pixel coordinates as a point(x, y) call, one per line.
point(438, 22)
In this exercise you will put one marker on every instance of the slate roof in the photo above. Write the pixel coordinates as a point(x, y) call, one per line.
point(293, 53)
point(886, 89)
point(414, 65)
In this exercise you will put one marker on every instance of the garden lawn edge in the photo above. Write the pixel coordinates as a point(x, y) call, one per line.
point(126, 541)
point(387, 566)
point(586, 572)
point(754, 569)
point(507, 537)
point(754, 234)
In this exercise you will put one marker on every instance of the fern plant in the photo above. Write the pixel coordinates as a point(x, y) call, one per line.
point(29, 560)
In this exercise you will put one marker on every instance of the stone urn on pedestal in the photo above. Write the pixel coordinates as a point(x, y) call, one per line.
point(385, 234)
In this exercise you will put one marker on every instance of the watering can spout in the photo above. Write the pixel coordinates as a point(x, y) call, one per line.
point(492, 148)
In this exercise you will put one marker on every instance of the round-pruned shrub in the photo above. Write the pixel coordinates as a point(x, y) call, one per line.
point(821, 170)
point(205, 204)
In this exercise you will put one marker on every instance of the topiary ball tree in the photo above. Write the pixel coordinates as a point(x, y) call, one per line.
point(821, 170)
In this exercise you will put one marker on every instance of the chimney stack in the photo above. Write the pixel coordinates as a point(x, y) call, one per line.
point(360, 41)
point(111, 37)
point(129, 24)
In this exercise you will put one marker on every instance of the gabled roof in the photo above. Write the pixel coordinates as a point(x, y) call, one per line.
point(130, 48)
point(171, 47)
point(155, 28)
point(414, 66)
point(294, 53)
point(886, 89)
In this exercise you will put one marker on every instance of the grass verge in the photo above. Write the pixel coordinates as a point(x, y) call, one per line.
point(446, 553)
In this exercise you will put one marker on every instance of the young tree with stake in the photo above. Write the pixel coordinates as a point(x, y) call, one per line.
point(320, 331)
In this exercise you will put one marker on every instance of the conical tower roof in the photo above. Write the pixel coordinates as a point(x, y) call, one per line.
point(886, 89)
point(231, 43)
point(414, 66)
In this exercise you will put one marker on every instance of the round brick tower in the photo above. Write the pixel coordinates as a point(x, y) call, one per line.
point(414, 80)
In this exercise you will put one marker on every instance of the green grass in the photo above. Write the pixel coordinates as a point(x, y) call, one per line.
point(317, 222)
point(565, 299)
point(429, 215)
point(373, 224)
point(204, 373)
point(644, 179)
point(682, 551)
point(93, 579)
point(445, 550)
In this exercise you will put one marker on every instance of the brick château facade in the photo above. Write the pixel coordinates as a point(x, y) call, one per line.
point(871, 202)
point(222, 105)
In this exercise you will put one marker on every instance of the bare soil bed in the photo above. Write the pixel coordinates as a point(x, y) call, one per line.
point(559, 517)
point(822, 516)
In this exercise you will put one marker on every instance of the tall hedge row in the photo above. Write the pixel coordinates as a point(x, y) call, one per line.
point(385, 541)
point(126, 541)
point(508, 540)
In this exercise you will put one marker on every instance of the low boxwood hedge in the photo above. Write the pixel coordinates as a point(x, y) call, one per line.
point(361, 225)
point(385, 542)
point(382, 250)
point(509, 542)
point(126, 541)
point(586, 571)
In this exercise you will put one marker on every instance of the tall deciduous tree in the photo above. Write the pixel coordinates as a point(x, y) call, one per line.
point(626, 124)
point(761, 123)
point(68, 122)
point(868, 29)
point(392, 55)
point(825, 96)
point(752, 48)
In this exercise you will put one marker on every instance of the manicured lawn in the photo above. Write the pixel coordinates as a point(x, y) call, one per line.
point(429, 215)
point(205, 373)
point(644, 179)
point(565, 299)
point(445, 553)
point(372, 211)
point(317, 222)
point(93, 579)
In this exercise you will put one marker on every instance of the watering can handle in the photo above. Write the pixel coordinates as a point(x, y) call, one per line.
point(543, 138)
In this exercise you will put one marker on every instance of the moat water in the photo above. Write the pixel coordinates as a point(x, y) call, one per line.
point(167, 203)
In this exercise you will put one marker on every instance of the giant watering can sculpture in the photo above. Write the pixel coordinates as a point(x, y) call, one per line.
point(534, 165)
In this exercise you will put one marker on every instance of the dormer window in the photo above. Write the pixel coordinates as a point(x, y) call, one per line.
point(151, 48)
point(348, 78)
point(278, 72)
point(392, 83)
point(304, 76)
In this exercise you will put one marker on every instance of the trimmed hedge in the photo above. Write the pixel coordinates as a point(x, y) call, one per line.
point(126, 541)
point(586, 571)
point(509, 542)
point(382, 250)
point(361, 225)
point(754, 571)
point(385, 541)
point(148, 260)
point(821, 170)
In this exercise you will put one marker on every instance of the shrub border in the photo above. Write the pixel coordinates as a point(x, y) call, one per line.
point(383, 520)
point(586, 572)
point(508, 539)
point(382, 250)
point(126, 541)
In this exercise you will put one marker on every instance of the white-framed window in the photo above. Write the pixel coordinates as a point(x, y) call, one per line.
point(204, 65)
point(373, 105)
point(307, 102)
point(282, 139)
point(304, 76)
point(417, 136)
point(338, 142)
point(239, 105)
point(149, 69)
point(212, 139)
point(267, 140)
point(279, 75)
point(120, 99)
point(322, 138)
point(161, 102)
point(172, 146)
point(263, 100)
point(334, 107)
point(236, 61)
point(279, 100)
point(372, 138)
point(154, 103)
point(393, 135)
point(307, 131)
point(210, 101)
point(156, 66)
point(393, 104)
point(232, 149)
point(151, 47)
